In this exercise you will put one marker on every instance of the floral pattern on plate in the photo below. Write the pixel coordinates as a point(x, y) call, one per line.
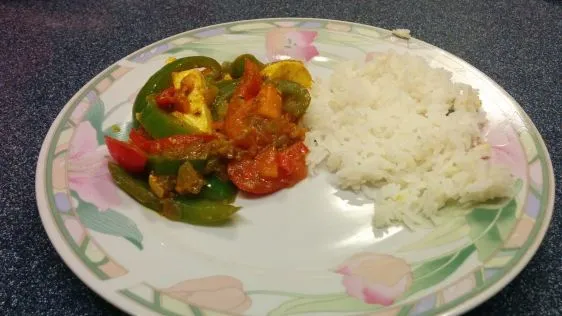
point(102, 234)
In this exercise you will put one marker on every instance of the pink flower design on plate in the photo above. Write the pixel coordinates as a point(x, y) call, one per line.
point(284, 43)
point(219, 293)
point(506, 149)
point(86, 167)
point(375, 278)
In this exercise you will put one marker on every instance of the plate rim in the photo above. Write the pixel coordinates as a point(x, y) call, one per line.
point(76, 266)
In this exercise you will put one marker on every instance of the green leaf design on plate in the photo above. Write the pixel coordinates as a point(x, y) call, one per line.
point(450, 229)
point(453, 230)
point(109, 222)
point(430, 266)
point(405, 310)
point(196, 310)
point(490, 227)
point(178, 50)
point(435, 271)
point(95, 115)
point(323, 303)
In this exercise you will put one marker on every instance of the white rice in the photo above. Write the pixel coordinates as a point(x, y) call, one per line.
point(382, 128)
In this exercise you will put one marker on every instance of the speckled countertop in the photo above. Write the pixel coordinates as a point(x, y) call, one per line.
point(51, 48)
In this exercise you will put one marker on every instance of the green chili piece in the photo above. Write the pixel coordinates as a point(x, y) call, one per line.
point(218, 190)
point(134, 187)
point(197, 211)
point(296, 98)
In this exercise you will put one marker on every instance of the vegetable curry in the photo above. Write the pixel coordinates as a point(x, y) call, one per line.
point(202, 131)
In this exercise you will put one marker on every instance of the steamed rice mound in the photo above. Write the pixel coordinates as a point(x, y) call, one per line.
point(404, 135)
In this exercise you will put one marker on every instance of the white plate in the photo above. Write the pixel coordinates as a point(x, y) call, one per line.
point(287, 252)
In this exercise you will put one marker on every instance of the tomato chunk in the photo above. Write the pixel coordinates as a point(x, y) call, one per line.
point(270, 171)
point(244, 174)
point(167, 98)
point(269, 102)
point(266, 162)
point(236, 125)
point(292, 163)
point(128, 156)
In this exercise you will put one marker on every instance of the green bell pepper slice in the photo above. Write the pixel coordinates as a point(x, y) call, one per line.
point(183, 209)
point(159, 123)
point(169, 166)
point(197, 211)
point(162, 79)
point(237, 66)
point(296, 98)
point(220, 105)
point(217, 189)
point(134, 187)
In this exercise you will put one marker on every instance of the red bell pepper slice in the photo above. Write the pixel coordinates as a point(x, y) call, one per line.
point(128, 156)
point(175, 142)
point(157, 146)
point(251, 81)
point(139, 138)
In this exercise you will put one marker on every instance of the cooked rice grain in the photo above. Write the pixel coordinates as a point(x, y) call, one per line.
point(405, 135)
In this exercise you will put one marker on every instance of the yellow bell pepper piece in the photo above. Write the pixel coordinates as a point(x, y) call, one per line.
point(292, 70)
point(191, 86)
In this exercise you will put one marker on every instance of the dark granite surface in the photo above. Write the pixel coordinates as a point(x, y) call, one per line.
point(51, 48)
